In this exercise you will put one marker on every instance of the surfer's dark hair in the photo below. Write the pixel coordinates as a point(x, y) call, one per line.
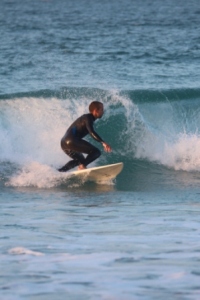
point(95, 105)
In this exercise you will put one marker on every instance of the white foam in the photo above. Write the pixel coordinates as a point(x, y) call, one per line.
point(37, 175)
point(31, 129)
point(180, 154)
point(183, 154)
point(24, 251)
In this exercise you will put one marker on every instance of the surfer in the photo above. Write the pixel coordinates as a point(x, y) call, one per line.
point(73, 143)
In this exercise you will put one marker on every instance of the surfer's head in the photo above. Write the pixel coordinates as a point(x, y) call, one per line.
point(96, 109)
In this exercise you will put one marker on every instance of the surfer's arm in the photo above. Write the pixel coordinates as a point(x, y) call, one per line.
point(89, 125)
point(92, 132)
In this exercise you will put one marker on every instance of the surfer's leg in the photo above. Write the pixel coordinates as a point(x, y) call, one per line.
point(78, 159)
point(92, 155)
point(92, 151)
point(74, 148)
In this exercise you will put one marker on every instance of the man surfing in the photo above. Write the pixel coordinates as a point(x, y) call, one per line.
point(73, 143)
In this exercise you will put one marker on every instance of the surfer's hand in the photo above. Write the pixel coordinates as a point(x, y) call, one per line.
point(107, 147)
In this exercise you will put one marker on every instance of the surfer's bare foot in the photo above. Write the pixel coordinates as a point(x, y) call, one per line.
point(81, 167)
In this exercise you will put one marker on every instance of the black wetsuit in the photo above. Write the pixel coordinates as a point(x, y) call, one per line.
point(73, 144)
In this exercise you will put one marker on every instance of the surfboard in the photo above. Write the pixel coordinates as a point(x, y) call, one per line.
point(99, 174)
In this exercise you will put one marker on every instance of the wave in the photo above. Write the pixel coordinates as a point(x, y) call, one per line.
point(143, 127)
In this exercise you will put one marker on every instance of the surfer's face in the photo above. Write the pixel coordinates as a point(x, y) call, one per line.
point(98, 113)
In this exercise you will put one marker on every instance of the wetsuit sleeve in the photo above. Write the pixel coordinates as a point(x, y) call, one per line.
point(89, 126)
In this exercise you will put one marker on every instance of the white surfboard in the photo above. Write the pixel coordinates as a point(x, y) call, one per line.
point(99, 174)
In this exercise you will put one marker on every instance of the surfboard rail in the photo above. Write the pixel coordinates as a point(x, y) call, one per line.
point(100, 173)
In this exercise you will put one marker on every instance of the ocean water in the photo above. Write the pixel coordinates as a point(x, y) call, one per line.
point(138, 236)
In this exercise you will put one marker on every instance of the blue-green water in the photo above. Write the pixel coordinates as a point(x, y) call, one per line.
point(134, 238)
